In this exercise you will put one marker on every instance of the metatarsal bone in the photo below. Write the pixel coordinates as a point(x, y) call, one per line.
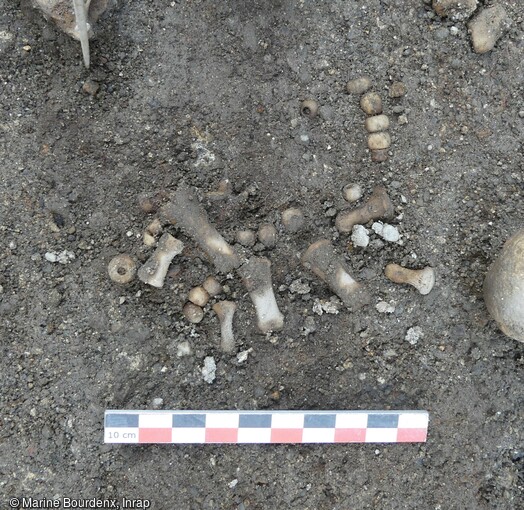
point(154, 271)
point(322, 259)
point(256, 276)
point(185, 212)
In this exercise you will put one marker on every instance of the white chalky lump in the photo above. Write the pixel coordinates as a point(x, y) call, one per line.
point(360, 236)
point(63, 257)
point(209, 369)
point(386, 231)
point(413, 335)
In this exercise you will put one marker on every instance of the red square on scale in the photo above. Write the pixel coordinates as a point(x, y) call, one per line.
point(286, 435)
point(350, 435)
point(153, 435)
point(411, 435)
point(221, 435)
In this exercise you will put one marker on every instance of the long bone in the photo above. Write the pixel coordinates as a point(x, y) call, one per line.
point(185, 212)
point(322, 259)
point(256, 276)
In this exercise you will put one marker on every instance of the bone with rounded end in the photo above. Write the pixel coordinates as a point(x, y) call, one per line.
point(193, 313)
point(151, 232)
point(199, 296)
point(122, 268)
point(225, 311)
point(422, 279)
point(154, 271)
point(293, 219)
point(256, 276)
point(322, 259)
point(504, 288)
point(186, 213)
point(378, 206)
point(212, 286)
point(267, 235)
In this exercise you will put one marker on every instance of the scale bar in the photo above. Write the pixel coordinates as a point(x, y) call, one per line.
point(264, 427)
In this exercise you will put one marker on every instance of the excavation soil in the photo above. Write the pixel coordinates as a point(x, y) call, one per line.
point(199, 91)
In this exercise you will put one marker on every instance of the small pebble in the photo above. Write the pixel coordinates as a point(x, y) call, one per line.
point(358, 85)
point(377, 141)
point(371, 103)
point(487, 28)
point(397, 89)
point(352, 192)
point(209, 369)
point(360, 236)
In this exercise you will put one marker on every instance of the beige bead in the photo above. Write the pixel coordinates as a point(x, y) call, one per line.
point(379, 141)
point(377, 123)
point(371, 103)
point(199, 296)
point(212, 286)
point(193, 313)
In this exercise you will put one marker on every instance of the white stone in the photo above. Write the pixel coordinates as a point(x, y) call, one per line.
point(413, 335)
point(183, 349)
point(360, 236)
point(209, 369)
point(383, 307)
point(387, 232)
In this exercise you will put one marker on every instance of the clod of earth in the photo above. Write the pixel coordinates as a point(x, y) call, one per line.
point(322, 259)
point(422, 279)
point(186, 213)
point(122, 268)
point(504, 288)
point(256, 277)
point(378, 206)
point(225, 311)
point(154, 271)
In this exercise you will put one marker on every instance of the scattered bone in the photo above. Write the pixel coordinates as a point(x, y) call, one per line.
point(352, 192)
point(371, 103)
point(358, 85)
point(267, 235)
point(360, 236)
point(487, 28)
point(378, 141)
point(186, 213)
point(212, 286)
point(122, 268)
point(378, 206)
point(193, 313)
point(379, 155)
point(293, 219)
point(309, 108)
point(225, 311)
point(223, 191)
point(198, 296)
point(151, 232)
point(422, 279)
point(209, 369)
point(246, 238)
point(504, 287)
point(377, 123)
point(154, 271)
point(387, 232)
point(322, 259)
point(256, 276)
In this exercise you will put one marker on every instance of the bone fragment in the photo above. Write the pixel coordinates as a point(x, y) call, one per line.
point(199, 296)
point(154, 271)
point(322, 259)
point(256, 276)
point(212, 286)
point(422, 279)
point(185, 212)
point(225, 311)
point(378, 206)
